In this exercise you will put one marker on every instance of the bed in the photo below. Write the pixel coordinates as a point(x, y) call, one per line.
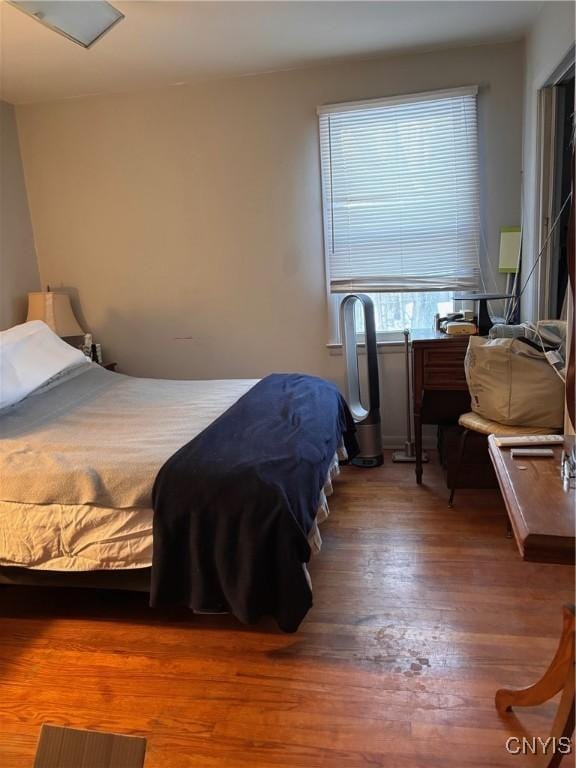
point(80, 458)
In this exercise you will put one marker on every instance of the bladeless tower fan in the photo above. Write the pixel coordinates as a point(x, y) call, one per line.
point(366, 416)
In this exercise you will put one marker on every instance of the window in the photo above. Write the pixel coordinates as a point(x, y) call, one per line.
point(400, 201)
point(395, 311)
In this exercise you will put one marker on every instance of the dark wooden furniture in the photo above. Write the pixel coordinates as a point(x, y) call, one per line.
point(439, 383)
point(474, 424)
point(471, 470)
point(109, 366)
point(71, 748)
point(541, 513)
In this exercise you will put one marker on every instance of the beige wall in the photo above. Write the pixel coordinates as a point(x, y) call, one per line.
point(18, 266)
point(189, 219)
point(550, 39)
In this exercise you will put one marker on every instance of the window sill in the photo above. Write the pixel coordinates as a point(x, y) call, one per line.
point(335, 348)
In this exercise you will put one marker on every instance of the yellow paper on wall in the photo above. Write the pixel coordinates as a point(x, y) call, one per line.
point(510, 239)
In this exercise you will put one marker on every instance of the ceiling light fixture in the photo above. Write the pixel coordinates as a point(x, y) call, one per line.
point(82, 21)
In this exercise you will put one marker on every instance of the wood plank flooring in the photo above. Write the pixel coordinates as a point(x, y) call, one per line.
point(421, 612)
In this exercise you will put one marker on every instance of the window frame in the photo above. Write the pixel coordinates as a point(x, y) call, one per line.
point(334, 298)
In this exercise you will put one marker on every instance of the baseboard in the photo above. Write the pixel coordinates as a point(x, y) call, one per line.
point(396, 442)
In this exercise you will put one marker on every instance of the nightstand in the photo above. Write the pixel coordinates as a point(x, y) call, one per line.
point(109, 366)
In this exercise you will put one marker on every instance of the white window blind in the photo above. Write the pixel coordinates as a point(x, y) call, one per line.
point(400, 192)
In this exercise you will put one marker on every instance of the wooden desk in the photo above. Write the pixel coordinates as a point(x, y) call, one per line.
point(542, 517)
point(541, 512)
point(439, 384)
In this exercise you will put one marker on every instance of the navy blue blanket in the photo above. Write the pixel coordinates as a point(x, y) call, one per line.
point(233, 507)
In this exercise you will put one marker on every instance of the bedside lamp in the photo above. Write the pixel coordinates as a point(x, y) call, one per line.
point(56, 311)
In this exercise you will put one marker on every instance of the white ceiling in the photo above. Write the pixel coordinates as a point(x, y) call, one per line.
point(166, 43)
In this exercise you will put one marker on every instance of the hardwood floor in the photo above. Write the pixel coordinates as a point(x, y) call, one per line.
point(421, 612)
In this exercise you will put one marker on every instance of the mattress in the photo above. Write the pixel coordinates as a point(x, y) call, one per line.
point(78, 460)
point(69, 537)
point(100, 438)
point(87, 537)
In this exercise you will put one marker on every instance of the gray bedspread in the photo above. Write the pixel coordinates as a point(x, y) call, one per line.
point(99, 437)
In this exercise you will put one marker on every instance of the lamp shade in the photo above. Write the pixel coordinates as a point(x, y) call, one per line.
point(55, 310)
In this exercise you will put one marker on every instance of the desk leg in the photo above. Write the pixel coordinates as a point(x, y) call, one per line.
point(418, 446)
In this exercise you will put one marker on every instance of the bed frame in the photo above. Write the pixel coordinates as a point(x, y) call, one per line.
point(131, 580)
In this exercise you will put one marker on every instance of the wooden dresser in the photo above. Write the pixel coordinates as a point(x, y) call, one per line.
point(439, 385)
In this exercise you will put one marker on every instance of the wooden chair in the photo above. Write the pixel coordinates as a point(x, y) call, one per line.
point(558, 677)
point(472, 422)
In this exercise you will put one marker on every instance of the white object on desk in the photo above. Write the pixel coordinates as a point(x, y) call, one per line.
point(460, 328)
point(527, 440)
point(517, 453)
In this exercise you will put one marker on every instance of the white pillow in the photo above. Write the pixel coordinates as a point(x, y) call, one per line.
point(30, 354)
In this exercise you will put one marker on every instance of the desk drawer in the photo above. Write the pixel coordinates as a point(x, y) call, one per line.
point(445, 377)
point(451, 358)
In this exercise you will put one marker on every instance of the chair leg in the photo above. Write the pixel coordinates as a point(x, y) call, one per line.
point(558, 677)
point(461, 448)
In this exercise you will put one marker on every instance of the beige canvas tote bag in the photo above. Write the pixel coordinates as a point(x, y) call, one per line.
point(513, 383)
